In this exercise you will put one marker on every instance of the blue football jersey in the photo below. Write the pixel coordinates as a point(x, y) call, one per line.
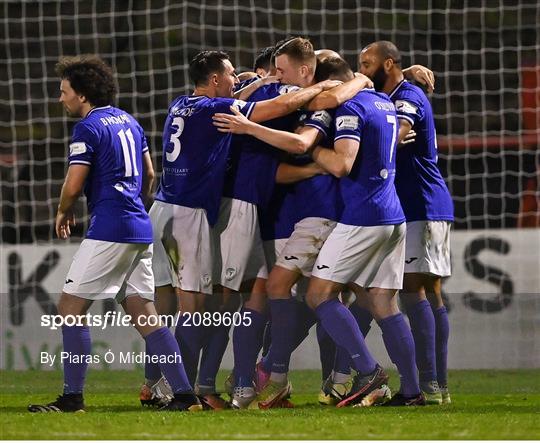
point(112, 144)
point(251, 173)
point(195, 153)
point(319, 196)
point(277, 219)
point(369, 194)
point(419, 183)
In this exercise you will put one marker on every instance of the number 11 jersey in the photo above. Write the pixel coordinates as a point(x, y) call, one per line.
point(112, 144)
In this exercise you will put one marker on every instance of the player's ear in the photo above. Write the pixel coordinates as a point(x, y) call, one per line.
point(304, 70)
point(214, 81)
point(388, 64)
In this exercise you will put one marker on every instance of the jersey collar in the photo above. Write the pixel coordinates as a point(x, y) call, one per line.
point(396, 88)
point(97, 109)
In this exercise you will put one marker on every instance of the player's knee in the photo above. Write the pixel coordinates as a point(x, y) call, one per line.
point(276, 289)
point(435, 300)
point(312, 300)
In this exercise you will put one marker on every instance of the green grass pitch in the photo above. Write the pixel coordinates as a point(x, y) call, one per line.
point(486, 405)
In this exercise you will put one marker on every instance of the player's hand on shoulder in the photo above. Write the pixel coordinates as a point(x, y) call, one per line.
point(365, 78)
point(235, 123)
point(329, 84)
point(63, 222)
point(422, 75)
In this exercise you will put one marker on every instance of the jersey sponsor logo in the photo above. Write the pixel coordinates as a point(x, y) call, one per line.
point(77, 148)
point(406, 107)
point(323, 117)
point(239, 104)
point(384, 173)
point(347, 122)
point(176, 171)
point(285, 89)
point(410, 260)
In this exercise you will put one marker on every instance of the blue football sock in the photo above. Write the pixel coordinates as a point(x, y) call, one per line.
point(190, 340)
point(212, 354)
point(77, 343)
point(342, 363)
point(442, 332)
point(363, 317)
point(423, 330)
point(162, 343)
point(284, 313)
point(305, 319)
point(151, 370)
point(399, 344)
point(327, 350)
point(247, 342)
point(340, 324)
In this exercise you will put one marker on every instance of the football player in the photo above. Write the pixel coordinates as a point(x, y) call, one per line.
point(109, 159)
point(429, 212)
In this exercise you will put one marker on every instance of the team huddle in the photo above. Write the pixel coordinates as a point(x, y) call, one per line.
point(304, 195)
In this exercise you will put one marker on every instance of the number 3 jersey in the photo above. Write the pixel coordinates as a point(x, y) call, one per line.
point(195, 153)
point(112, 144)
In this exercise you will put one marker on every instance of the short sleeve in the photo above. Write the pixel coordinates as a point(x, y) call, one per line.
point(82, 146)
point(348, 123)
point(409, 108)
point(144, 143)
point(321, 120)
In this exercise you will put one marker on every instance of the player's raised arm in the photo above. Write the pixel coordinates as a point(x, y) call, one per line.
point(337, 96)
point(296, 143)
point(340, 160)
point(287, 103)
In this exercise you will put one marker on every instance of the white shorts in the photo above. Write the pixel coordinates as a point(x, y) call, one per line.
point(303, 246)
point(428, 248)
point(370, 256)
point(185, 256)
point(239, 253)
point(272, 250)
point(102, 269)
